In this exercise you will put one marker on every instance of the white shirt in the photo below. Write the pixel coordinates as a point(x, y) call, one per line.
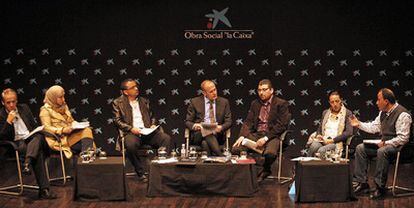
point(137, 121)
point(402, 128)
point(331, 127)
point(20, 128)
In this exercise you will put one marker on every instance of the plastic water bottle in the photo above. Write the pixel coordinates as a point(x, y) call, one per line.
point(183, 151)
point(227, 153)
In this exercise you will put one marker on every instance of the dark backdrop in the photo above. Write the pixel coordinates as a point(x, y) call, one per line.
point(305, 47)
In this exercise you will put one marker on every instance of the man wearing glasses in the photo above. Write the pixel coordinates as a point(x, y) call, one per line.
point(267, 119)
point(132, 113)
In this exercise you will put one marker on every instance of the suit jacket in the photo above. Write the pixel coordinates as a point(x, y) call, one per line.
point(278, 120)
point(122, 111)
point(348, 131)
point(7, 130)
point(196, 112)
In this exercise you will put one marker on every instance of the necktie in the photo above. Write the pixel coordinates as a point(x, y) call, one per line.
point(211, 113)
point(263, 117)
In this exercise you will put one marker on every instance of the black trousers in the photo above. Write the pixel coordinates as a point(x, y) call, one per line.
point(35, 150)
point(271, 148)
point(210, 143)
point(133, 142)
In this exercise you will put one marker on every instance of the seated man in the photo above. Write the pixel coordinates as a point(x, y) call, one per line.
point(208, 108)
point(393, 124)
point(132, 113)
point(16, 121)
point(267, 119)
point(334, 128)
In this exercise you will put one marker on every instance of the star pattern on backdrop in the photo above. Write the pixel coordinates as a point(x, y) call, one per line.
point(170, 77)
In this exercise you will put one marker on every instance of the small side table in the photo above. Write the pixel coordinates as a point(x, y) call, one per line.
point(318, 181)
point(101, 180)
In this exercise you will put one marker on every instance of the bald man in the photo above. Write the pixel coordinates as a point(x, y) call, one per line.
point(16, 122)
point(393, 125)
point(208, 108)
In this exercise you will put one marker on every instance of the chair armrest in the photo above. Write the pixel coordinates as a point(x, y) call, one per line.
point(56, 137)
point(228, 133)
point(187, 133)
point(284, 134)
point(349, 140)
point(11, 143)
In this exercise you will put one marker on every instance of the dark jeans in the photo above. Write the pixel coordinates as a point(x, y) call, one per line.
point(36, 150)
point(384, 156)
point(271, 149)
point(133, 142)
point(209, 143)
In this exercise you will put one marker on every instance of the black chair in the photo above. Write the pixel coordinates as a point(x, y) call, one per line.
point(20, 185)
point(61, 157)
point(145, 151)
point(283, 144)
point(406, 151)
point(347, 146)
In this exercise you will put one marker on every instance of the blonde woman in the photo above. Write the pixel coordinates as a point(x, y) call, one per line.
point(57, 119)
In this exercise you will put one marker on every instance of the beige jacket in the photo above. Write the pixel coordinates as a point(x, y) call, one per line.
point(54, 123)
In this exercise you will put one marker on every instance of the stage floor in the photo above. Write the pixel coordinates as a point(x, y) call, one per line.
point(270, 194)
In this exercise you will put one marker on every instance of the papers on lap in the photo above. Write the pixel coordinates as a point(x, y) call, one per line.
point(252, 145)
point(80, 125)
point(371, 143)
point(38, 129)
point(208, 129)
point(147, 131)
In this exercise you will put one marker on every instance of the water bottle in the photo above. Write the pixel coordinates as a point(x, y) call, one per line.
point(227, 153)
point(183, 151)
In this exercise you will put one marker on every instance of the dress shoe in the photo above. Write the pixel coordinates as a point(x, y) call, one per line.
point(46, 194)
point(263, 175)
point(142, 178)
point(378, 193)
point(26, 169)
point(361, 188)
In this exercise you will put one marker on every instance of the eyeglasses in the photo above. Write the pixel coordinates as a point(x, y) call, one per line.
point(263, 89)
point(133, 87)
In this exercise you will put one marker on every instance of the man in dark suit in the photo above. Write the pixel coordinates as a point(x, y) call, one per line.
point(16, 121)
point(208, 108)
point(267, 119)
point(132, 113)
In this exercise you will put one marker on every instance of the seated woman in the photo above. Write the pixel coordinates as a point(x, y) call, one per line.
point(57, 119)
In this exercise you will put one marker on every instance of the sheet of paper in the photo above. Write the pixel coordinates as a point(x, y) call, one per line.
point(371, 141)
point(208, 129)
point(37, 129)
point(166, 161)
point(80, 125)
point(252, 145)
point(147, 131)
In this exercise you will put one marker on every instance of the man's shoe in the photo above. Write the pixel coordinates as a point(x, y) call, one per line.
point(26, 169)
point(46, 194)
point(142, 178)
point(263, 175)
point(378, 193)
point(361, 188)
